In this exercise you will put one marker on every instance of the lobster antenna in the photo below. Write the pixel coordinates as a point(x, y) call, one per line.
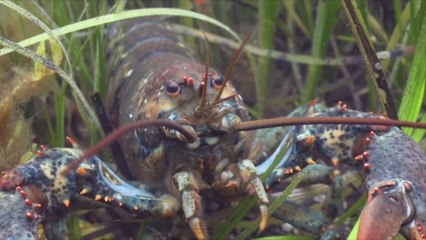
point(291, 121)
point(107, 127)
point(125, 129)
point(235, 56)
point(206, 74)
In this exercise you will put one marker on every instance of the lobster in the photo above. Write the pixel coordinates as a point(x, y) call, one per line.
point(195, 104)
point(200, 99)
point(158, 79)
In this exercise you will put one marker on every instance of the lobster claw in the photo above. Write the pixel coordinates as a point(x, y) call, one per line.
point(389, 207)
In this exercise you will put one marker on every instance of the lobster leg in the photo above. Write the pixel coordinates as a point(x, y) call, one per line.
point(243, 177)
point(319, 173)
point(188, 188)
point(304, 218)
point(311, 220)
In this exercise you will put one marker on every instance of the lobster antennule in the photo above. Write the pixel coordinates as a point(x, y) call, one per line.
point(235, 57)
point(205, 75)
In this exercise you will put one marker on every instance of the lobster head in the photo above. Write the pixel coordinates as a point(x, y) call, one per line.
point(193, 96)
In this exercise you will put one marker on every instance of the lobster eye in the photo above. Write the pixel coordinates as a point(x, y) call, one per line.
point(173, 89)
point(217, 82)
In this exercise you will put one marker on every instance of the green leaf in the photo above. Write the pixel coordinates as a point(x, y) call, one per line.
point(419, 133)
point(327, 12)
point(114, 17)
point(274, 206)
point(267, 16)
point(415, 88)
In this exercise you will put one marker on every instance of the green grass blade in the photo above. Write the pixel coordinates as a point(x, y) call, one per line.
point(324, 26)
point(74, 223)
point(239, 212)
point(274, 206)
point(114, 17)
point(354, 232)
point(60, 116)
point(419, 133)
point(416, 85)
point(285, 238)
point(352, 210)
point(397, 34)
point(291, 11)
point(267, 17)
point(304, 8)
point(398, 14)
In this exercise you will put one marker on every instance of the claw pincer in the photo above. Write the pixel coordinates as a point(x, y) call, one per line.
point(397, 188)
point(43, 187)
point(394, 166)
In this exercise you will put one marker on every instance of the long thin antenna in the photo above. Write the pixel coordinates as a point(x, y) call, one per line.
point(125, 129)
point(291, 121)
point(235, 56)
point(106, 124)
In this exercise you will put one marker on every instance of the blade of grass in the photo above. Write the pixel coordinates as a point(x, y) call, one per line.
point(285, 238)
point(352, 210)
point(60, 116)
point(274, 206)
point(324, 25)
point(417, 9)
point(292, 14)
point(239, 212)
point(419, 133)
point(74, 223)
point(397, 34)
point(414, 92)
point(377, 28)
point(51, 131)
point(186, 4)
point(354, 232)
point(99, 54)
point(292, 49)
point(114, 17)
point(304, 8)
point(267, 17)
point(398, 14)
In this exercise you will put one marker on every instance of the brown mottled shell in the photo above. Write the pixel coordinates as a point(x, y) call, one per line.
point(137, 92)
